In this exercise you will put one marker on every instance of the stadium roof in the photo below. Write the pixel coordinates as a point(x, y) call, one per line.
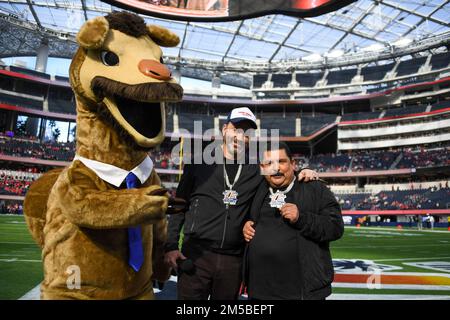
point(365, 31)
point(362, 24)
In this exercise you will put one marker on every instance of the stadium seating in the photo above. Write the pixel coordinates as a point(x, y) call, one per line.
point(61, 101)
point(440, 60)
point(341, 76)
point(308, 80)
point(360, 116)
point(186, 121)
point(410, 66)
point(405, 111)
point(375, 73)
point(20, 101)
point(15, 183)
point(34, 149)
point(259, 79)
point(310, 124)
point(30, 72)
point(428, 158)
point(441, 105)
point(281, 80)
point(373, 160)
point(330, 162)
point(431, 198)
point(285, 125)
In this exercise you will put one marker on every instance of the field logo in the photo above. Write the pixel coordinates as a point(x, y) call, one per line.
point(442, 266)
point(358, 266)
point(74, 279)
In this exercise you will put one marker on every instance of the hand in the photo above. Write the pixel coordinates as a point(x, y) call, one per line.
point(290, 211)
point(171, 258)
point(176, 205)
point(308, 175)
point(248, 231)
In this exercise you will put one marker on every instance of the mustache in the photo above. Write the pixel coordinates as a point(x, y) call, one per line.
point(150, 91)
point(277, 174)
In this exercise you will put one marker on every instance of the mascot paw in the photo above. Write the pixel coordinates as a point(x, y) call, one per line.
point(157, 192)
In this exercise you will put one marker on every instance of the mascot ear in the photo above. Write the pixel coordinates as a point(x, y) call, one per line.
point(93, 33)
point(162, 36)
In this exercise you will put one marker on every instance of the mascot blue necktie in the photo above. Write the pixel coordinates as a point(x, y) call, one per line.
point(136, 257)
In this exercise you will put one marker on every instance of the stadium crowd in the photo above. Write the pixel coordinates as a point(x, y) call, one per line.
point(11, 207)
point(336, 162)
point(431, 198)
point(16, 182)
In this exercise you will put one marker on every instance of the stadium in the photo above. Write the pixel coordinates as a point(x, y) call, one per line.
point(360, 93)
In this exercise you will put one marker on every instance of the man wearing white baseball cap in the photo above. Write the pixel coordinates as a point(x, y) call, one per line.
point(219, 197)
point(242, 114)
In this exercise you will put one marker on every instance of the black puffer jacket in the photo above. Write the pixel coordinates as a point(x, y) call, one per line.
point(319, 223)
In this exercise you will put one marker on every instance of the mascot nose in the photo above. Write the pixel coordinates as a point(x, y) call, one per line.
point(155, 69)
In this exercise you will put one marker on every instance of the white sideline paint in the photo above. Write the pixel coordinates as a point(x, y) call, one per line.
point(18, 260)
point(33, 294)
point(393, 229)
point(30, 243)
point(412, 259)
point(391, 286)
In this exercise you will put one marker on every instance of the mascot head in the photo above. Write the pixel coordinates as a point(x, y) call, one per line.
point(118, 73)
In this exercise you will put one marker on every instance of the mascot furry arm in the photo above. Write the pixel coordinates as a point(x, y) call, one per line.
point(79, 215)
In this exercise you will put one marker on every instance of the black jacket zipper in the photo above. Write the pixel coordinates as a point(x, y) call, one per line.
point(225, 226)
point(194, 213)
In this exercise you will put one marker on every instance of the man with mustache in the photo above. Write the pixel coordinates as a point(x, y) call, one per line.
point(220, 196)
point(291, 225)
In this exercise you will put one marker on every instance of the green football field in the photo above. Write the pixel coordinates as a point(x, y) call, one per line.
point(397, 251)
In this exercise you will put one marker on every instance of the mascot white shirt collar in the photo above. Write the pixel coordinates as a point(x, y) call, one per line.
point(115, 175)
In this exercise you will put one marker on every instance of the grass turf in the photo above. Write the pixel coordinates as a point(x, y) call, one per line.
point(21, 269)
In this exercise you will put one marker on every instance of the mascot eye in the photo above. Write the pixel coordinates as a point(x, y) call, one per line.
point(109, 58)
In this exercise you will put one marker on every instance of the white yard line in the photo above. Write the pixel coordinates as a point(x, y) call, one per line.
point(414, 259)
point(18, 260)
point(391, 286)
point(17, 242)
point(394, 229)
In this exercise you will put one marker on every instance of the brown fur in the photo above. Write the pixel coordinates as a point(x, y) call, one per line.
point(163, 91)
point(35, 204)
point(134, 26)
point(81, 220)
point(162, 36)
point(128, 23)
point(93, 33)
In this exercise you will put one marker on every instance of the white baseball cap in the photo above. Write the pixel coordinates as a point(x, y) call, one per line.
point(242, 114)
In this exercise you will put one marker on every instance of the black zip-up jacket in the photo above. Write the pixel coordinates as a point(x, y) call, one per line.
point(207, 220)
point(320, 221)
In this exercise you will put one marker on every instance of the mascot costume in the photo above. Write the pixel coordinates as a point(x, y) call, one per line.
point(101, 222)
